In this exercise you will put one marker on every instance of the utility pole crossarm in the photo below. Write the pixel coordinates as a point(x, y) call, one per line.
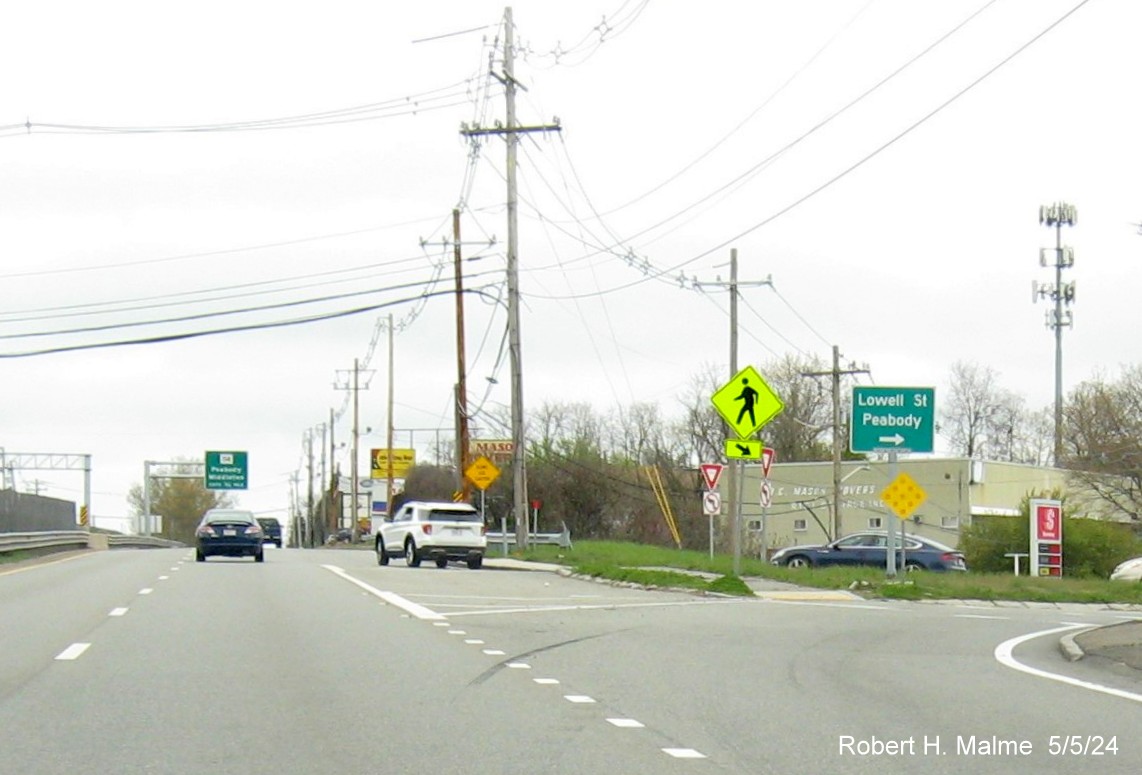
point(478, 131)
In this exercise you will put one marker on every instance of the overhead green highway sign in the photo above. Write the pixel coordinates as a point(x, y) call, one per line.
point(893, 419)
point(225, 471)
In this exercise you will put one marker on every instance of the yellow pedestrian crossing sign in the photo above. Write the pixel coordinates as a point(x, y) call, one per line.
point(746, 402)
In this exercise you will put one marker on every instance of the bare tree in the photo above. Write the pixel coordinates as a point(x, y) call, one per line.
point(1035, 444)
point(701, 432)
point(1103, 441)
point(803, 430)
point(969, 414)
point(639, 434)
point(181, 502)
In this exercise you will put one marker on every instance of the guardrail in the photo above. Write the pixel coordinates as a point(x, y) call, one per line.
point(562, 539)
point(142, 542)
point(11, 542)
point(80, 539)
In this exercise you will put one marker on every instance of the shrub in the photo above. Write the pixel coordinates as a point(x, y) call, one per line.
point(1091, 547)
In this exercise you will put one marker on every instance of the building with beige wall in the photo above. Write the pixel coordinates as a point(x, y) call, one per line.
point(957, 489)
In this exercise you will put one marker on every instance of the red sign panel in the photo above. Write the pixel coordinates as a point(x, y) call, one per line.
point(1048, 522)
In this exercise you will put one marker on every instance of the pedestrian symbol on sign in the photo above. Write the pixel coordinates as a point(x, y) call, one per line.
point(748, 397)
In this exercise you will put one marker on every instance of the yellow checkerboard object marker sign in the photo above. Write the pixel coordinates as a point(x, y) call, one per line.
point(903, 495)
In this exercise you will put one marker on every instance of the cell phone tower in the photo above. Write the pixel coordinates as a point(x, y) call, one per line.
point(1062, 294)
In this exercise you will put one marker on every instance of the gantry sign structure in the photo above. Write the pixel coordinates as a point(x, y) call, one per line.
point(52, 461)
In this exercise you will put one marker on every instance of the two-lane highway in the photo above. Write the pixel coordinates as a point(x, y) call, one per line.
point(321, 661)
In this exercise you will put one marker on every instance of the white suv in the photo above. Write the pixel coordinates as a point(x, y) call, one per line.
point(437, 531)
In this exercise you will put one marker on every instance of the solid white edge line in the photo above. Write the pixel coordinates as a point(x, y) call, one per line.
point(1004, 655)
point(74, 651)
point(419, 611)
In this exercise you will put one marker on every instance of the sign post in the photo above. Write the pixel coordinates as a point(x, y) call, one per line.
point(482, 472)
point(767, 457)
point(746, 403)
point(711, 473)
point(1046, 538)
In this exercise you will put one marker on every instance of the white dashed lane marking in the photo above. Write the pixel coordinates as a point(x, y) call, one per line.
point(684, 753)
point(440, 620)
point(118, 612)
point(72, 652)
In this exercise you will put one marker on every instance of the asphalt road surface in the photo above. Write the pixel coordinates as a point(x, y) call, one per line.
point(322, 662)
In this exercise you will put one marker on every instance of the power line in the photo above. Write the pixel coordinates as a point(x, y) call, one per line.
point(436, 99)
point(669, 272)
point(231, 329)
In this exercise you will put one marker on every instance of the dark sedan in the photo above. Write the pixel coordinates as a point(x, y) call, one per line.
point(271, 531)
point(229, 533)
point(870, 548)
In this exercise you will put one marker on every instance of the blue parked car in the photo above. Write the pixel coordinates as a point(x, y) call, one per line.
point(231, 533)
point(870, 548)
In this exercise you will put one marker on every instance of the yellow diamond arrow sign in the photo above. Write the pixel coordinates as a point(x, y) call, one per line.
point(746, 402)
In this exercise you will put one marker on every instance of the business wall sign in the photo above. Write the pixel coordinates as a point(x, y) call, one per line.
point(400, 459)
point(893, 419)
point(1046, 538)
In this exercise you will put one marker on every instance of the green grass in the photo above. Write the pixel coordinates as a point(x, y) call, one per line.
point(663, 566)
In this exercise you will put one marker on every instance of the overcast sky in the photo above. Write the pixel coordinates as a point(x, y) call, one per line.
point(881, 161)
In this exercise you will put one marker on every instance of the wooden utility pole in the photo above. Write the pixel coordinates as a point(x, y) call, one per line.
point(736, 478)
point(461, 369)
point(354, 384)
point(389, 435)
point(511, 133)
point(356, 435)
point(838, 437)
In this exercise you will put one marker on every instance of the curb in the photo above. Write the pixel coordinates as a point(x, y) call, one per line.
point(1069, 648)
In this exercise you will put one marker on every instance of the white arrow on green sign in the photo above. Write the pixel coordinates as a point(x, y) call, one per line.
point(893, 419)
